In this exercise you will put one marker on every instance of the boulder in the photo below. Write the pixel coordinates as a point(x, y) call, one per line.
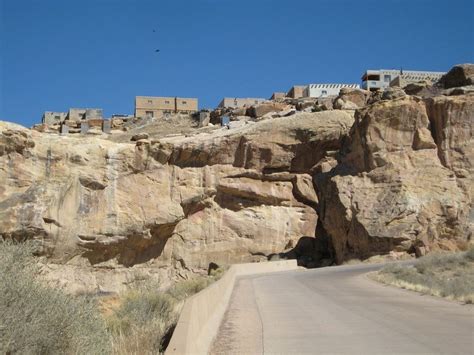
point(393, 93)
point(351, 99)
point(459, 75)
point(326, 103)
point(264, 108)
point(423, 89)
point(139, 136)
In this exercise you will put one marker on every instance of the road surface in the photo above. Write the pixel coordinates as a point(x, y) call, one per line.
point(338, 310)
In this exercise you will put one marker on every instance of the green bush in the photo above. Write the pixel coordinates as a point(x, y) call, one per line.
point(35, 318)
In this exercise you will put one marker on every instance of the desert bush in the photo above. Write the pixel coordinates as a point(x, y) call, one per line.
point(216, 274)
point(470, 254)
point(35, 318)
point(187, 288)
point(141, 322)
point(445, 275)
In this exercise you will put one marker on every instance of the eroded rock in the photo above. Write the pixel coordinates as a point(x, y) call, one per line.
point(390, 189)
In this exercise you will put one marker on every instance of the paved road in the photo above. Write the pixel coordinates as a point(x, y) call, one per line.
point(338, 310)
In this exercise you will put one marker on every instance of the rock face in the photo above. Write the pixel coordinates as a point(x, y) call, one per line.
point(390, 190)
point(177, 203)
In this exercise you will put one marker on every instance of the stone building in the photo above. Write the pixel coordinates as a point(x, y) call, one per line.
point(238, 102)
point(381, 79)
point(74, 114)
point(153, 106)
point(324, 90)
point(278, 95)
point(51, 118)
point(296, 91)
point(79, 114)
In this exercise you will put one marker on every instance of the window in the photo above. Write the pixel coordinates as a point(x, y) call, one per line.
point(184, 102)
point(149, 113)
point(324, 92)
point(150, 101)
point(387, 78)
point(167, 102)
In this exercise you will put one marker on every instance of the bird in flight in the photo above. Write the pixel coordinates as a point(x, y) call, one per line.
point(157, 50)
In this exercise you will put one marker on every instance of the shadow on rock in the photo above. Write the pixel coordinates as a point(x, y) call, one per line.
point(309, 252)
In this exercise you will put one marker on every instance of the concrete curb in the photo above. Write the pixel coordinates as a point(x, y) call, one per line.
point(202, 313)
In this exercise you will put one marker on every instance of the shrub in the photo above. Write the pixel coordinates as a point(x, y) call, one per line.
point(470, 254)
point(187, 288)
point(445, 275)
point(147, 316)
point(35, 318)
point(142, 321)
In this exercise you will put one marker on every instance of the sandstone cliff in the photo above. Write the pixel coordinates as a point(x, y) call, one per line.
point(322, 187)
point(176, 204)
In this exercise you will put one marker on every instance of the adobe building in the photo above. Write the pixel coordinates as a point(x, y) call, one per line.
point(152, 106)
point(381, 79)
point(74, 114)
point(324, 90)
point(238, 102)
point(296, 91)
point(278, 95)
point(79, 114)
point(186, 105)
point(51, 118)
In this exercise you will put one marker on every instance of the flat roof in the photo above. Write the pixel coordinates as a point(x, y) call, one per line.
point(333, 85)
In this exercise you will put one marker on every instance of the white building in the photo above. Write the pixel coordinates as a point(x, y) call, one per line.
point(323, 90)
point(381, 79)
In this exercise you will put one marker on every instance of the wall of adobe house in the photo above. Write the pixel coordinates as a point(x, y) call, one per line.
point(186, 104)
point(143, 112)
point(148, 103)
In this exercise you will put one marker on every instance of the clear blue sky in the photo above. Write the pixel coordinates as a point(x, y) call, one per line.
point(56, 54)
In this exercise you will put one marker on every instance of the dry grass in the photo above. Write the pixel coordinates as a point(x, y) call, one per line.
point(444, 275)
point(37, 319)
point(146, 317)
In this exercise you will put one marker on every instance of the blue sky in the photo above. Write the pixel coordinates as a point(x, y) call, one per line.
point(56, 54)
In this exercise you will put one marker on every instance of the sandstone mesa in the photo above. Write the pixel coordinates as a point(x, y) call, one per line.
point(365, 176)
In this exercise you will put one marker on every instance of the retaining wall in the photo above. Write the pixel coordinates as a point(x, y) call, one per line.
point(202, 313)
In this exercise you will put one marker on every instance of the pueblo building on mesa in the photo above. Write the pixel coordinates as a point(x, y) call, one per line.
point(154, 106)
point(381, 79)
